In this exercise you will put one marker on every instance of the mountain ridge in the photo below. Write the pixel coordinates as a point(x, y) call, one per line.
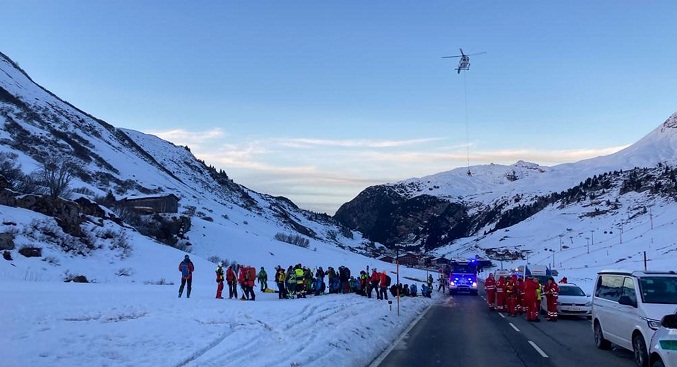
point(483, 198)
point(40, 128)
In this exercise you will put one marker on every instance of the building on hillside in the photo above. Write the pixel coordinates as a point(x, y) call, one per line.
point(410, 259)
point(388, 259)
point(151, 204)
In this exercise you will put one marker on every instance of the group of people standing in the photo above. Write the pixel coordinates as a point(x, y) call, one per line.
point(244, 276)
point(517, 295)
point(298, 281)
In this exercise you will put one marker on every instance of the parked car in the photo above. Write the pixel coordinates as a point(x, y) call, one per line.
point(663, 347)
point(627, 307)
point(572, 301)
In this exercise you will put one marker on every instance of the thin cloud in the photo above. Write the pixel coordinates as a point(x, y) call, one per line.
point(325, 173)
point(184, 137)
point(352, 143)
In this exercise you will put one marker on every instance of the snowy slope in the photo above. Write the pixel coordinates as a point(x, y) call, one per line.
point(489, 182)
point(130, 315)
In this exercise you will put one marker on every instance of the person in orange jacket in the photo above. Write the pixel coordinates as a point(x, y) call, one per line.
point(373, 283)
point(490, 288)
point(383, 285)
point(246, 278)
point(511, 294)
point(500, 293)
point(521, 305)
point(551, 291)
point(531, 287)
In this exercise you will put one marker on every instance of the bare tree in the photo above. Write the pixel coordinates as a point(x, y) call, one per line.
point(56, 176)
point(10, 168)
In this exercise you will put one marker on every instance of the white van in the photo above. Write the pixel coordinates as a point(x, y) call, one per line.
point(627, 307)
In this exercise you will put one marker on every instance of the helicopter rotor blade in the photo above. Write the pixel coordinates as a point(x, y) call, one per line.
point(479, 53)
point(450, 57)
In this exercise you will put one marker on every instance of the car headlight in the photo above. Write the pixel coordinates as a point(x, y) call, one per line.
point(474, 284)
point(588, 304)
point(653, 324)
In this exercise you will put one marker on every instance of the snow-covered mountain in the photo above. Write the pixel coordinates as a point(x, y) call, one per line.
point(613, 211)
point(220, 218)
point(442, 213)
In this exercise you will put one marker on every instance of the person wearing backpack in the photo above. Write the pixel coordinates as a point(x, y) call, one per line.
point(280, 277)
point(300, 281)
point(231, 279)
point(384, 281)
point(249, 280)
point(375, 277)
point(246, 279)
point(291, 283)
point(219, 280)
point(413, 290)
point(331, 274)
point(186, 268)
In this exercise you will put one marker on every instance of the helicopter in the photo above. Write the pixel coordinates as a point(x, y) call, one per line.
point(464, 62)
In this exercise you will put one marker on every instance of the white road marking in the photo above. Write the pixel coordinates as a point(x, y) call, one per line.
point(539, 350)
point(514, 327)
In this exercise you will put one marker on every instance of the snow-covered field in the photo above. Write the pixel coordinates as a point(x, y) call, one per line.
point(130, 314)
point(69, 324)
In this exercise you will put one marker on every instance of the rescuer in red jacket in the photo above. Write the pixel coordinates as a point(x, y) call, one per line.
point(374, 279)
point(490, 288)
point(521, 305)
point(530, 295)
point(511, 294)
point(383, 285)
point(500, 293)
point(551, 291)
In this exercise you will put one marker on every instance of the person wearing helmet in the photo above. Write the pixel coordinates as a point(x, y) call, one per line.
point(219, 280)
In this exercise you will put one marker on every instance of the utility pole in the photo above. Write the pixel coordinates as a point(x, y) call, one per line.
point(620, 236)
point(553, 256)
point(651, 217)
point(397, 271)
point(425, 259)
point(587, 240)
point(592, 236)
point(560, 242)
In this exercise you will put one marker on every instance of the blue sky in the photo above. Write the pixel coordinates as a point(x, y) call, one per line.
point(316, 101)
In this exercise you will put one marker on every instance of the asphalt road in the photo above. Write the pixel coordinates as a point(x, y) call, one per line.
point(461, 331)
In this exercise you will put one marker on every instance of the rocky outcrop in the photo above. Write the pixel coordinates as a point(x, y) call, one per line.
point(66, 213)
point(6, 241)
point(383, 215)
